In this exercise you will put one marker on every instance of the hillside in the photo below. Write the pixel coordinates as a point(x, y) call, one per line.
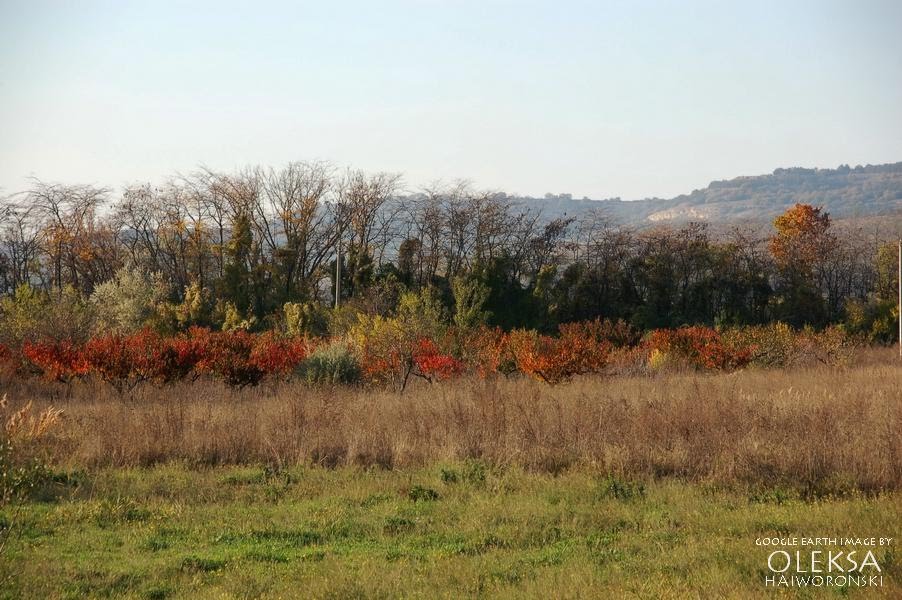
point(844, 192)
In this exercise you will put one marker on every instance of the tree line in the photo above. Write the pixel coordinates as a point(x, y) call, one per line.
point(257, 250)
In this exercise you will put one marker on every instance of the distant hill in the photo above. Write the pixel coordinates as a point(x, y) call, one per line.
point(844, 192)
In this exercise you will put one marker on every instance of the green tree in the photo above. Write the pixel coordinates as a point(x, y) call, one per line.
point(237, 275)
point(22, 313)
point(126, 302)
point(305, 318)
point(470, 297)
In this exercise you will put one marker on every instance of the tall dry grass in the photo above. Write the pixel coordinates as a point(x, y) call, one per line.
point(813, 427)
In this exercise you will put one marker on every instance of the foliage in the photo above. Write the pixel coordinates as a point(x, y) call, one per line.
point(422, 312)
point(232, 319)
point(875, 320)
point(126, 302)
point(331, 364)
point(124, 361)
point(31, 314)
point(196, 308)
point(277, 355)
point(831, 346)
point(577, 351)
point(470, 296)
point(56, 360)
point(485, 350)
point(510, 304)
point(778, 345)
point(433, 364)
point(389, 349)
point(773, 345)
point(393, 349)
point(801, 247)
point(227, 356)
point(113, 358)
point(696, 347)
point(240, 358)
point(800, 234)
point(886, 271)
point(22, 313)
point(237, 357)
point(305, 318)
point(252, 250)
point(237, 276)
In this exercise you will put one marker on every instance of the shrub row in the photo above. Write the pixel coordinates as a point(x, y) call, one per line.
point(237, 357)
point(389, 352)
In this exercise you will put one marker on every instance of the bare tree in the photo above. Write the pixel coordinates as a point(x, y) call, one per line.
point(79, 246)
point(300, 227)
point(20, 239)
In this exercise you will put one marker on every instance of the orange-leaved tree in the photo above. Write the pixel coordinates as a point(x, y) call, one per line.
point(802, 236)
point(800, 246)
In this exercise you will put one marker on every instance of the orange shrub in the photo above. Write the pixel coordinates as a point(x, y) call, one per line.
point(576, 352)
point(699, 347)
point(392, 350)
point(484, 350)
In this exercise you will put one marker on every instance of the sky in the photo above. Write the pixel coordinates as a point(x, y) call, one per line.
point(625, 99)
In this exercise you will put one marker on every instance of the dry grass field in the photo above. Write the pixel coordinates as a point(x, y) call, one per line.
point(618, 487)
point(802, 427)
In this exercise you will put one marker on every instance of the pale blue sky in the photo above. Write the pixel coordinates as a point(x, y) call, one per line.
point(629, 99)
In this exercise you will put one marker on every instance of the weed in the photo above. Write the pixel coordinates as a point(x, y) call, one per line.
point(419, 493)
point(196, 564)
point(612, 487)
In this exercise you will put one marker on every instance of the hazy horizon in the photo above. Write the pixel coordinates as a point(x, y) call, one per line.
point(629, 100)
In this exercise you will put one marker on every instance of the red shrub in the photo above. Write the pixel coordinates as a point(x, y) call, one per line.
point(57, 360)
point(186, 352)
point(153, 357)
point(125, 361)
point(432, 364)
point(276, 355)
point(391, 353)
point(110, 358)
point(227, 355)
point(240, 358)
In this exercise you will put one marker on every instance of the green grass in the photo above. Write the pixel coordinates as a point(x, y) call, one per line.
point(453, 530)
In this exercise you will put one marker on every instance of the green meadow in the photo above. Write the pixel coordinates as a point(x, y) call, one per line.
point(448, 531)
